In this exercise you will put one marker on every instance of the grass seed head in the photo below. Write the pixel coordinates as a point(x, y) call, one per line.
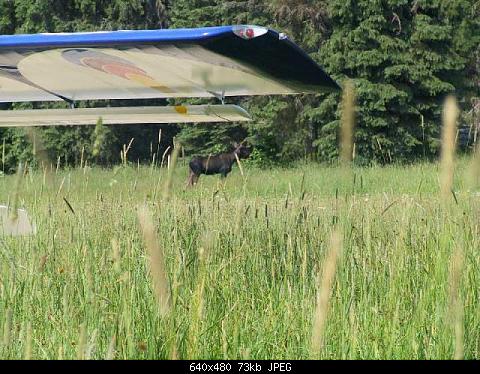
point(449, 131)
point(155, 260)
point(347, 123)
point(99, 137)
point(455, 305)
point(171, 168)
point(324, 292)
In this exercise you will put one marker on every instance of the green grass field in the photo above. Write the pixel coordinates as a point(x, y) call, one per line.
point(243, 263)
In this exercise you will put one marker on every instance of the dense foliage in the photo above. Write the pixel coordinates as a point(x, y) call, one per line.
point(405, 59)
point(403, 55)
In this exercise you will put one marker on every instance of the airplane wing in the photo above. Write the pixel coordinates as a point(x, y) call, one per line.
point(123, 115)
point(171, 63)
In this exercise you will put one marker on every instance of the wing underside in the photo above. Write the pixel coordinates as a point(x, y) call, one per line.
point(209, 62)
point(123, 115)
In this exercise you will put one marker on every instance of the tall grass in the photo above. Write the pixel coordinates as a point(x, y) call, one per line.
point(242, 265)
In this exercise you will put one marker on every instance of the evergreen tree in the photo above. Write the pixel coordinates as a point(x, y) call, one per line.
point(7, 17)
point(405, 57)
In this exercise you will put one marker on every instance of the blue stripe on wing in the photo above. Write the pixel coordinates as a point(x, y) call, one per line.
point(111, 37)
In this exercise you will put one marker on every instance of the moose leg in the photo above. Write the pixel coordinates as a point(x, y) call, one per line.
point(223, 179)
point(195, 178)
point(192, 179)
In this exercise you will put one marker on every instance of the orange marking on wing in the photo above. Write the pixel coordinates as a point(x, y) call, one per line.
point(181, 109)
point(125, 71)
point(148, 82)
point(122, 70)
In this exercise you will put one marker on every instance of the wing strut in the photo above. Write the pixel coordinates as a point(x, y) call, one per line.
point(220, 96)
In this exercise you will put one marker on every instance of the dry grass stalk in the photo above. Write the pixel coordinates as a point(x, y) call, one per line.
point(39, 149)
point(57, 167)
point(3, 154)
point(239, 216)
point(82, 341)
point(82, 154)
point(245, 353)
point(174, 352)
point(473, 170)
point(111, 349)
point(60, 353)
point(224, 341)
point(197, 302)
point(196, 318)
point(324, 291)
point(347, 123)
point(99, 136)
point(90, 349)
point(156, 260)
point(61, 186)
point(455, 307)
point(124, 152)
point(171, 168)
point(164, 155)
point(116, 255)
point(7, 327)
point(16, 193)
point(43, 261)
point(28, 343)
point(447, 162)
point(239, 165)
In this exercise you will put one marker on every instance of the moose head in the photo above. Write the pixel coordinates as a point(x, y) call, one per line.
point(242, 150)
